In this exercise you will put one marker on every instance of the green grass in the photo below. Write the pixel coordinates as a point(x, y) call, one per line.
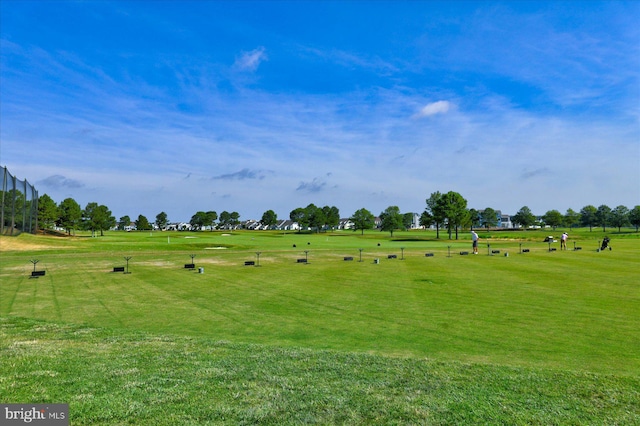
point(540, 337)
point(115, 377)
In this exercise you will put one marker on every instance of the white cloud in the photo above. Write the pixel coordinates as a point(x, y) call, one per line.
point(438, 107)
point(249, 61)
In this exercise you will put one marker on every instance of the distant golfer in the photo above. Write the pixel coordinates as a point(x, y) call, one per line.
point(563, 241)
point(474, 239)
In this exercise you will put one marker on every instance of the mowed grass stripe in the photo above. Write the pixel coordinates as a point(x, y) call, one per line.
point(120, 377)
point(575, 310)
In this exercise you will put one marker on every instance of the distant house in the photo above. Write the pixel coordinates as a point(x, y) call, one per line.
point(415, 222)
point(346, 224)
point(505, 221)
point(287, 225)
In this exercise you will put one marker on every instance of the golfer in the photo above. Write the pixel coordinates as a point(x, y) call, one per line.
point(563, 241)
point(474, 239)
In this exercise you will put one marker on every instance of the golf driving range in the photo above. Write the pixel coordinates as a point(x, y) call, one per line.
point(289, 328)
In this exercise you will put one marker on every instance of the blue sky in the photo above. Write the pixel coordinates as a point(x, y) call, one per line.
point(249, 106)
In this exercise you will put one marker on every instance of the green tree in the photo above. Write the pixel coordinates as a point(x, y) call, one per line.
point(407, 221)
point(435, 211)
point(299, 216)
point(142, 224)
point(571, 218)
point(70, 214)
point(620, 217)
point(48, 212)
point(362, 219)
point(198, 220)
point(225, 219)
point(315, 217)
point(634, 217)
point(475, 218)
point(454, 207)
point(235, 219)
point(489, 218)
point(426, 219)
point(123, 222)
point(391, 219)
point(603, 216)
point(97, 217)
point(210, 219)
point(269, 218)
point(524, 217)
point(553, 218)
point(162, 220)
point(331, 217)
point(14, 204)
point(588, 216)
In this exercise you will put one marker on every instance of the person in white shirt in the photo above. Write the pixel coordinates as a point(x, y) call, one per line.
point(474, 239)
point(563, 241)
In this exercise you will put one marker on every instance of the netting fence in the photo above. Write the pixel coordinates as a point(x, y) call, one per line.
point(19, 209)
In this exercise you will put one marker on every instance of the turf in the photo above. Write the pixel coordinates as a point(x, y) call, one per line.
point(562, 320)
point(115, 377)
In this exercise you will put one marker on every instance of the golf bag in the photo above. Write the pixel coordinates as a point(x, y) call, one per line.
point(605, 243)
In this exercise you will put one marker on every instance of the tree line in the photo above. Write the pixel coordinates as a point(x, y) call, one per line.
point(444, 211)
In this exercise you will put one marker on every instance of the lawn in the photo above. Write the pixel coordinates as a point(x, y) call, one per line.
point(495, 333)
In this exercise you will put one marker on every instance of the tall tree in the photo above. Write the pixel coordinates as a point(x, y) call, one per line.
point(434, 208)
point(225, 219)
point(97, 217)
point(634, 217)
point(48, 212)
point(455, 211)
point(489, 218)
point(331, 216)
point(162, 220)
point(299, 216)
point(235, 219)
point(269, 219)
point(142, 224)
point(198, 220)
point(553, 218)
point(588, 216)
point(124, 222)
point(571, 218)
point(70, 214)
point(407, 221)
point(362, 219)
point(211, 217)
point(426, 219)
point(603, 216)
point(391, 219)
point(619, 217)
point(524, 217)
point(315, 217)
point(475, 218)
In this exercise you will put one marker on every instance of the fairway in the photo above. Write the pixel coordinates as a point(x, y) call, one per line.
point(498, 337)
point(575, 310)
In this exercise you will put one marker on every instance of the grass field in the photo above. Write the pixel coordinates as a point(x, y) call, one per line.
point(538, 337)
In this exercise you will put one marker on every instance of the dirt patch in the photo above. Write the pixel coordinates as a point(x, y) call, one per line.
point(19, 244)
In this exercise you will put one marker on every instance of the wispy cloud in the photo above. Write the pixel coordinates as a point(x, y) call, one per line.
point(244, 174)
point(314, 186)
point(528, 174)
point(158, 124)
point(59, 181)
point(250, 61)
point(433, 108)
